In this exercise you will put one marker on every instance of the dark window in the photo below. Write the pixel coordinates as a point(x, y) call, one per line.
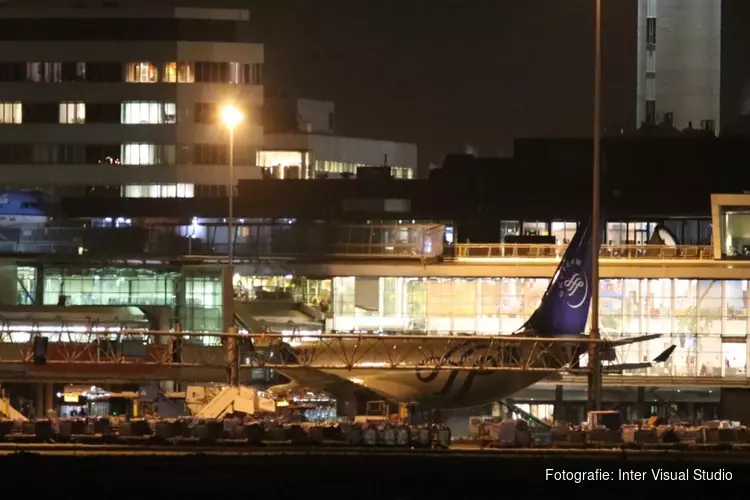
point(650, 113)
point(102, 153)
point(206, 113)
point(210, 154)
point(104, 72)
point(708, 125)
point(41, 112)
point(45, 153)
point(257, 74)
point(651, 30)
point(212, 72)
point(71, 154)
point(15, 153)
point(12, 72)
point(73, 72)
point(102, 112)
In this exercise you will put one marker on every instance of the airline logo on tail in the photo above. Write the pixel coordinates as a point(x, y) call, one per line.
point(575, 289)
point(564, 308)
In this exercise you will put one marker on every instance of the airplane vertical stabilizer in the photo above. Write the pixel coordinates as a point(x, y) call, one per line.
point(564, 309)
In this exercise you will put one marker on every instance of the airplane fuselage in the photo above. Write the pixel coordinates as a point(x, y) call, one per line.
point(437, 387)
point(448, 390)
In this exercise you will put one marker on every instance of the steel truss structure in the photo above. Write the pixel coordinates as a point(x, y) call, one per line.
point(127, 351)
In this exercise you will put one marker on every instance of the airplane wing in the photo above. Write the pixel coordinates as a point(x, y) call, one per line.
point(633, 340)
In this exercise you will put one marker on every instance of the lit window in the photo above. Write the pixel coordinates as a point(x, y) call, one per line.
point(185, 73)
point(44, 72)
point(280, 159)
point(148, 113)
point(148, 154)
point(138, 154)
point(141, 72)
point(170, 73)
point(159, 191)
point(73, 112)
point(11, 112)
point(235, 72)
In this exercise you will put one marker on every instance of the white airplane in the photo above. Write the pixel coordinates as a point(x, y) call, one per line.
point(467, 371)
point(21, 208)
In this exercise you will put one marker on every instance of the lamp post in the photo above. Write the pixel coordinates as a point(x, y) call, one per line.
point(595, 367)
point(230, 117)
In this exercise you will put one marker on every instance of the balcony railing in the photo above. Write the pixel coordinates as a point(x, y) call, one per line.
point(625, 252)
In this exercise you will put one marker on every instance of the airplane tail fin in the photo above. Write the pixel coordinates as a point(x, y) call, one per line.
point(665, 355)
point(564, 309)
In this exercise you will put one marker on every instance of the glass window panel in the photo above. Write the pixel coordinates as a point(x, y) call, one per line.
point(709, 307)
point(611, 307)
point(141, 72)
point(169, 74)
point(735, 307)
point(185, 72)
point(735, 359)
point(11, 112)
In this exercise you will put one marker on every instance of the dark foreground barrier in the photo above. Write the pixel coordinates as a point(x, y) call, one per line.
point(191, 431)
point(397, 476)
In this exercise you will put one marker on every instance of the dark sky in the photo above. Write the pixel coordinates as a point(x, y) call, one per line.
point(447, 74)
point(451, 73)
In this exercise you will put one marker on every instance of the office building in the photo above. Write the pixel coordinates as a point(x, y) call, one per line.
point(679, 63)
point(125, 101)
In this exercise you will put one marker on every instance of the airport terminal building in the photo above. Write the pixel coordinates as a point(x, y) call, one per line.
point(413, 278)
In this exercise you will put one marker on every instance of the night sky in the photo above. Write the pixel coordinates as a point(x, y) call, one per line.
point(452, 73)
point(446, 74)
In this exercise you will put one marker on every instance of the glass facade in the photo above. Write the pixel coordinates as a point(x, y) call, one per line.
point(313, 292)
point(735, 228)
point(685, 231)
point(202, 306)
point(26, 281)
point(195, 296)
point(707, 319)
point(109, 287)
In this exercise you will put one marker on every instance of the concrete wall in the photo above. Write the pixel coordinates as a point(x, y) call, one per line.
point(687, 60)
point(315, 116)
point(735, 405)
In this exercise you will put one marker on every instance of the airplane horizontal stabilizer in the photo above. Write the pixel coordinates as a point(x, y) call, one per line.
point(633, 340)
point(663, 357)
point(625, 367)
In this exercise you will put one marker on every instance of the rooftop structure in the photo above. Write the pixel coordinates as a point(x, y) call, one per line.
point(301, 143)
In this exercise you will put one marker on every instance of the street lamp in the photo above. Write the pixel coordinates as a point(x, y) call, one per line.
point(230, 117)
point(595, 367)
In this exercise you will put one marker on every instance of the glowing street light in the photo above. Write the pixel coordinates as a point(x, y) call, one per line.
point(231, 117)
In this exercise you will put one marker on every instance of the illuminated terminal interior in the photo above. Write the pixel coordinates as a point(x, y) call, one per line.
point(197, 292)
point(711, 316)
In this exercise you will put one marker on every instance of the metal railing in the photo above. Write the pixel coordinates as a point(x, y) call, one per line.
point(625, 252)
point(272, 241)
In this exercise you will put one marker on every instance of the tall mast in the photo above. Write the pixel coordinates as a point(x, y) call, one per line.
point(595, 372)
